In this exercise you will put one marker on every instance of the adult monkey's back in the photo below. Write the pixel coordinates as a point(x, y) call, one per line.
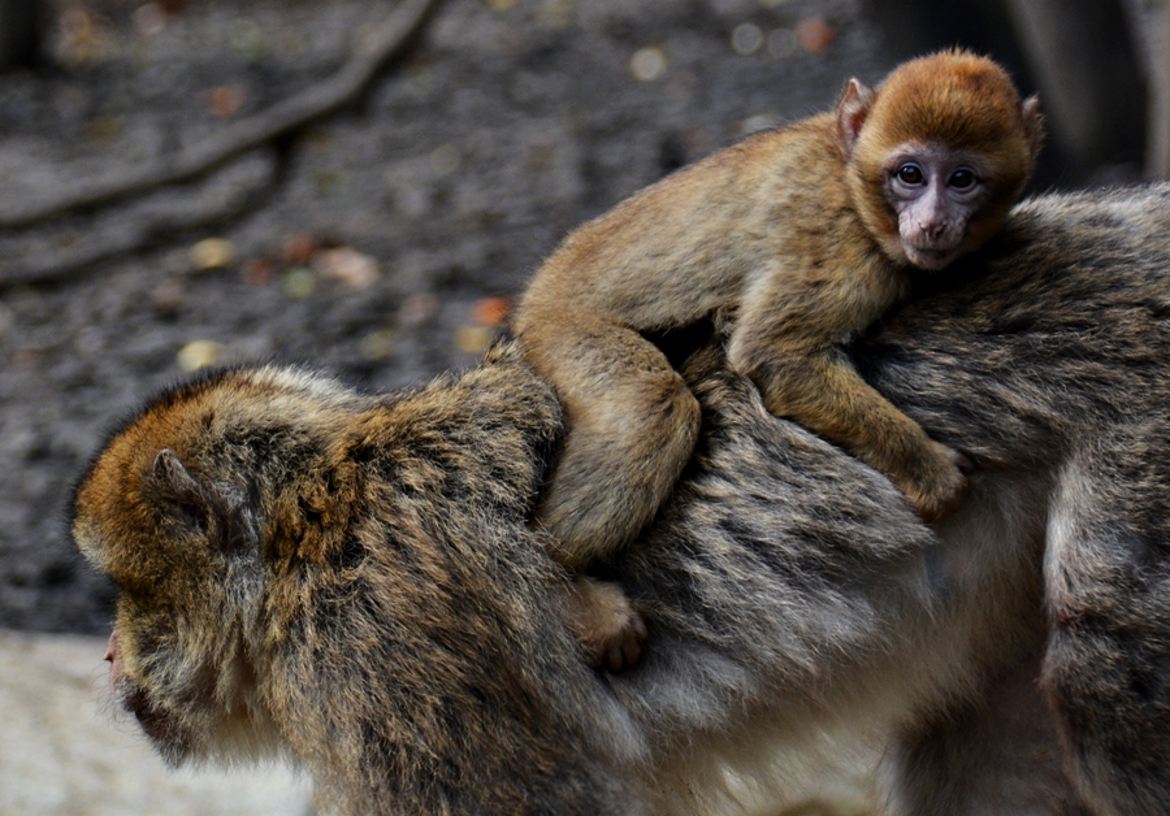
point(795, 601)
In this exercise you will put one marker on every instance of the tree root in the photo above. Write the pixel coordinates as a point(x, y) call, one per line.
point(387, 42)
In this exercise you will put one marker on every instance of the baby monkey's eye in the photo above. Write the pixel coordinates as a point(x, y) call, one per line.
point(962, 179)
point(909, 173)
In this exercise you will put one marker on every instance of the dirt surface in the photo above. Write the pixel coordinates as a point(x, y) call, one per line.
point(505, 126)
point(65, 752)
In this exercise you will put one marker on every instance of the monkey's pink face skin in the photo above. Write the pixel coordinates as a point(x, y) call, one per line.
point(114, 658)
point(936, 193)
point(129, 694)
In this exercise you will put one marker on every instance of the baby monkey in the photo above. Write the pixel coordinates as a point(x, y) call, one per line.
point(808, 234)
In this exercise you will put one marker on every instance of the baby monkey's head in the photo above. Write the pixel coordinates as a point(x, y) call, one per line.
point(937, 155)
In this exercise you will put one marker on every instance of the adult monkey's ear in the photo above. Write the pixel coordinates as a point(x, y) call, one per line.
point(177, 491)
point(852, 110)
point(223, 514)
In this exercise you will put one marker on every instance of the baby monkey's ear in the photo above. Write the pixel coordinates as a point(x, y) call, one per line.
point(217, 510)
point(852, 111)
point(1033, 123)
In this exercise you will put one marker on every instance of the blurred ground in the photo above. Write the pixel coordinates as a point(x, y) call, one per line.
point(61, 754)
point(509, 123)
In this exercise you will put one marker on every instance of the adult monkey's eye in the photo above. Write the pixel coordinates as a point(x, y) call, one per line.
point(962, 179)
point(909, 173)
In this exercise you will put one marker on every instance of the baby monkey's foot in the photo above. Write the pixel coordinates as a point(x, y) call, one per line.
point(606, 623)
point(941, 483)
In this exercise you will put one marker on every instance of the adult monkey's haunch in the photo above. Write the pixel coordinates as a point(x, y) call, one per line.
point(354, 581)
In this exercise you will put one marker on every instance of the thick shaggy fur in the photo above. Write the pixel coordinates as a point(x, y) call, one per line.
point(354, 581)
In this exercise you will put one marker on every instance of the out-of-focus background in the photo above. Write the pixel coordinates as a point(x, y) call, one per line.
point(187, 183)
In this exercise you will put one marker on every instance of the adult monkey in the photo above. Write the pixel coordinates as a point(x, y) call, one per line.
point(793, 599)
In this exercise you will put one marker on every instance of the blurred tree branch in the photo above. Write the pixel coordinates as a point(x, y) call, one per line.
point(245, 186)
point(371, 55)
point(21, 27)
point(1091, 81)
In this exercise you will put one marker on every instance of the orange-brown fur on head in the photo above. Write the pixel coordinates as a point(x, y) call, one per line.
point(953, 99)
point(196, 423)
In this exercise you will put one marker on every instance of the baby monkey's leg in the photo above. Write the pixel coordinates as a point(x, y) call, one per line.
point(632, 424)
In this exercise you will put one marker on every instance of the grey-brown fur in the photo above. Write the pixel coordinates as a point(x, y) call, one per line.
point(794, 601)
point(352, 581)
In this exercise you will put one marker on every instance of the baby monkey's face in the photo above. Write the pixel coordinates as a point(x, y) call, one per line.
point(937, 155)
point(938, 193)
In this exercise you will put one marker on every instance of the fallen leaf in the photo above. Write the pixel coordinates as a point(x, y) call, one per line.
point(212, 253)
point(445, 159)
point(299, 249)
point(29, 357)
point(199, 354)
point(84, 38)
point(259, 271)
point(167, 297)
point(556, 14)
point(379, 344)
point(474, 339)
point(815, 35)
point(104, 128)
point(327, 181)
point(491, 311)
point(226, 100)
point(648, 64)
point(299, 282)
point(417, 309)
point(150, 19)
point(355, 269)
